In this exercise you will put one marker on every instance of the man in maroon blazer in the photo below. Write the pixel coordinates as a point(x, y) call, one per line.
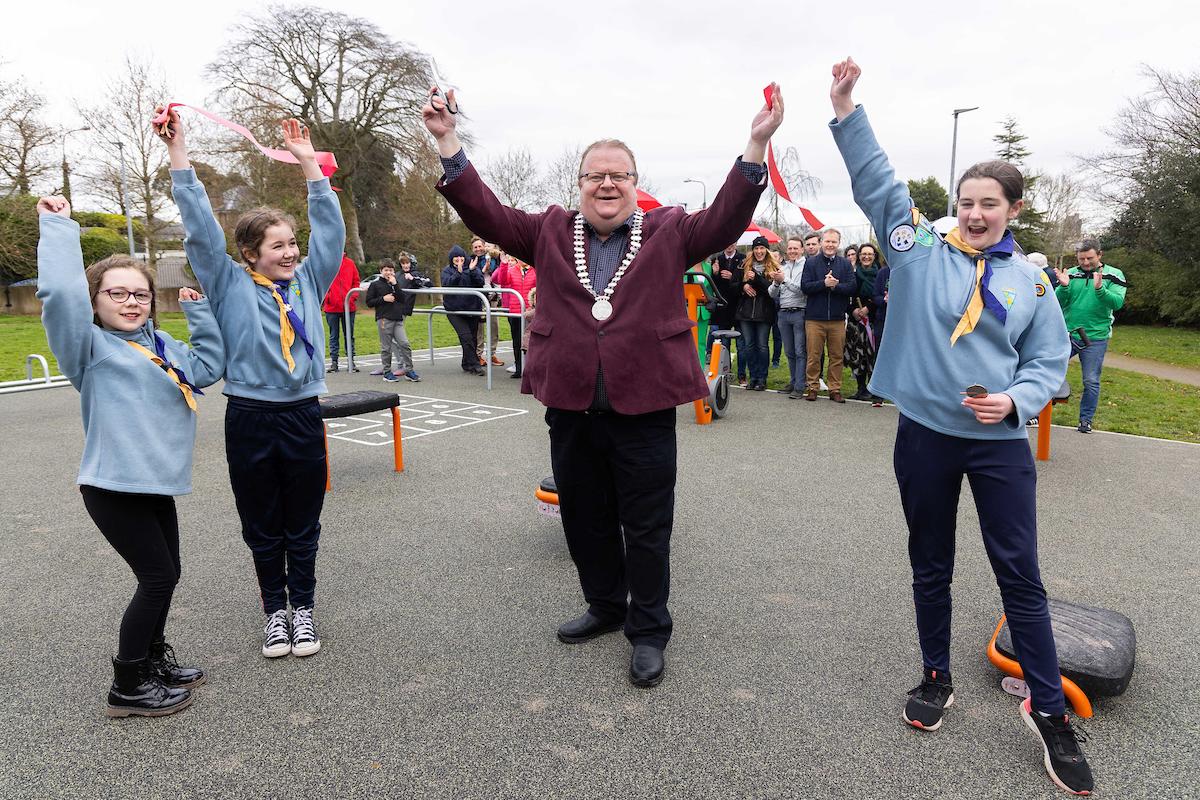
point(610, 356)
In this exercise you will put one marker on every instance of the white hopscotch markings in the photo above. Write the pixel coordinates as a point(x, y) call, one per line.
point(419, 416)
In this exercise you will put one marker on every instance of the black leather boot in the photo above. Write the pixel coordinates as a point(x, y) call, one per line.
point(167, 669)
point(333, 366)
point(136, 691)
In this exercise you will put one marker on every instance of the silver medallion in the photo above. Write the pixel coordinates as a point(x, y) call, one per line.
point(602, 309)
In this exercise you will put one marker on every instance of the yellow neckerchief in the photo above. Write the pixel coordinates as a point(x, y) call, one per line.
point(970, 317)
point(287, 334)
point(183, 387)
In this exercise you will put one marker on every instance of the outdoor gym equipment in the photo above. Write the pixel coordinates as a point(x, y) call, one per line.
point(700, 291)
point(352, 404)
point(1096, 649)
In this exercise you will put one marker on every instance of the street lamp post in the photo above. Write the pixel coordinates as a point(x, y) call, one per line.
point(703, 187)
point(66, 170)
point(953, 153)
point(125, 197)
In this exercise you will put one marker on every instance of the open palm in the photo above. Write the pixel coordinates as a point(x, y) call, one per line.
point(296, 140)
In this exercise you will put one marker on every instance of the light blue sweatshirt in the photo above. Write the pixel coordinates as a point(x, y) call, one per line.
point(931, 284)
point(138, 430)
point(246, 312)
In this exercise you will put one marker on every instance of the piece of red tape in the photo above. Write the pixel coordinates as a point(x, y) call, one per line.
point(777, 177)
point(325, 160)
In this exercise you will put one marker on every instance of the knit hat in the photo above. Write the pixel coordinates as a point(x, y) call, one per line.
point(759, 240)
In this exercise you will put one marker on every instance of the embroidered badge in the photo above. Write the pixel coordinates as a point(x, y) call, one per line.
point(1039, 289)
point(925, 237)
point(902, 238)
point(1010, 297)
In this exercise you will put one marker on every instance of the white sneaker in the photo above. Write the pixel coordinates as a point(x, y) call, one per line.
point(305, 641)
point(511, 368)
point(276, 639)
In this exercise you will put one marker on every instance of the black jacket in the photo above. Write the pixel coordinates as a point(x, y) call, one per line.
point(725, 316)
point(404, 303)
point(825, 303)
point(761, 307)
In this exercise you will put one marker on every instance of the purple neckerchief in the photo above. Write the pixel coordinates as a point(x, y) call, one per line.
point(297, 325)
point(1004, 247)
point(160, 347)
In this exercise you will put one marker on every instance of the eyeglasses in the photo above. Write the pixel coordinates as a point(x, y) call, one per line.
point(616, 177)
point(143, 298)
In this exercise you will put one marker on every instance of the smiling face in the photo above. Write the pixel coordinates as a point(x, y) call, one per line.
point(984, 212)
point(128, 315)
point(829, 243)
point(794, 250)
point(759, 252)
point(477, 247)
point(278, 255)
point(606, 205)
point(866, 256)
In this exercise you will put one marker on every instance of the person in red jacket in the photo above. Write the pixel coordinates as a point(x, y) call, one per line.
point(335, 311)
point(515, 274)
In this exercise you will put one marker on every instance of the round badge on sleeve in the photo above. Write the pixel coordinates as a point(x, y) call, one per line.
point(902, 238)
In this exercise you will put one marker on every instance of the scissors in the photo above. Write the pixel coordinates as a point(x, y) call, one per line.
point(437, 88)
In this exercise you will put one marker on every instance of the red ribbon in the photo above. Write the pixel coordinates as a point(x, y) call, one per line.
point(777, 177)
point(325, 160)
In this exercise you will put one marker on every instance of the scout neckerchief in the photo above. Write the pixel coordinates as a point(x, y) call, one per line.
point(290, 325)
point(980, 297)
point(160, 360)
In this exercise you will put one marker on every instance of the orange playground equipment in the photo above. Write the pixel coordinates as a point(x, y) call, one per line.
point(353, 403)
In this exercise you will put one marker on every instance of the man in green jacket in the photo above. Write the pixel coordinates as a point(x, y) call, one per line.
point(1089, 294)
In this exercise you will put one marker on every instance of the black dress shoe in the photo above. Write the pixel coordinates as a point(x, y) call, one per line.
point(646, 666)
point(586, 628)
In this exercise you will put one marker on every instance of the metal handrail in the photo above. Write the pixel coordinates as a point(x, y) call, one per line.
point(47, 381)
point(487, 313)
point(29, 366)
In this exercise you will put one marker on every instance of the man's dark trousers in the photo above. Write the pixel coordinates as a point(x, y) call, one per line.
point(615, 475)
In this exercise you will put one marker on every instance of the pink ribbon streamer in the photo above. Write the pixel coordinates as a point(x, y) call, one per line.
point(777, 177)
point(325, 160)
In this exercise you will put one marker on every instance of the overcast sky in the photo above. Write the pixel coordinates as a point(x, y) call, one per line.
point(680, 81)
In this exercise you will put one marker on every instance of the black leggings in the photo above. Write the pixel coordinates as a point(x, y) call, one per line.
point(514, 325)
point(144, 530)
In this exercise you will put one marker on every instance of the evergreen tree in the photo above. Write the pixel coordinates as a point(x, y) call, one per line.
point(1029, 226)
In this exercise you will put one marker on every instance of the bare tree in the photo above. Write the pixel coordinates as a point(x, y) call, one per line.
point(1058, 198)
point(23, 137)
point(514, 178)
point(801, 184)
point(560, 184)
point(121, 121)
point(354, 87)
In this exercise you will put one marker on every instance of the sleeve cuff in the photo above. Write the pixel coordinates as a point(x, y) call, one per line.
point(184, 177)
point(752, 172)
point(455, 165)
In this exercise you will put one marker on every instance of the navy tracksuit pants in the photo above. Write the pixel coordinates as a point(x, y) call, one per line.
point(276, 454)
point(929, 469)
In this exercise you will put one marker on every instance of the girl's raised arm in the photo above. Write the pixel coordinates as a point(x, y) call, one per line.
point(63, 288)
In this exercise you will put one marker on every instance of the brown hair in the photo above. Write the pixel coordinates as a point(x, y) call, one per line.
point(1011, 181)
point(616, 143)
point(252, 226)
point(95, 274)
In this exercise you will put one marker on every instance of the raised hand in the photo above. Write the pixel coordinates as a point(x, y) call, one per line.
point(845, 76)
point(54, 204)
point(767, 120)
point(1064, 277)
point(189, 295)
point(168, 126)
point(440, 123)
point(296, 140)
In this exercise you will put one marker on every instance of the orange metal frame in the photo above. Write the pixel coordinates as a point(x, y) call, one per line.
point(397, 448)
point(693, 293)
point(1075, 696)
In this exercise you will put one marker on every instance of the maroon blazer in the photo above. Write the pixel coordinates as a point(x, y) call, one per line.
point(646, 346)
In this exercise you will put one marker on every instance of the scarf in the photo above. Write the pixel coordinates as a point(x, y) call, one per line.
point(866, 279)
point(290, 324)
point(981, 297)
point(160, 360)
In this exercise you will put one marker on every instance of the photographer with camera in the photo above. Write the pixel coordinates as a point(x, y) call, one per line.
point(1089, 294)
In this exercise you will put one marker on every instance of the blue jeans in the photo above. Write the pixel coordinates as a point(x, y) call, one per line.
point(1091, 360)
point(337, 326)
point(795, 345)
point(753, 345)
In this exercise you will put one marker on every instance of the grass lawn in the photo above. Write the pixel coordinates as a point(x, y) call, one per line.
point(20, 336)
point(1178, 346)
point(1129, 402)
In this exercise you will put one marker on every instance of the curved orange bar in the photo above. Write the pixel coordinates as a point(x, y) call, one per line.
point(703, 412)
point(546, 497)
point(1078, 700)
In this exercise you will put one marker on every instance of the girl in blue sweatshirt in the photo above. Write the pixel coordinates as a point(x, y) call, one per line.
point(269, 310)
point(137, 387)
point(976, 345)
